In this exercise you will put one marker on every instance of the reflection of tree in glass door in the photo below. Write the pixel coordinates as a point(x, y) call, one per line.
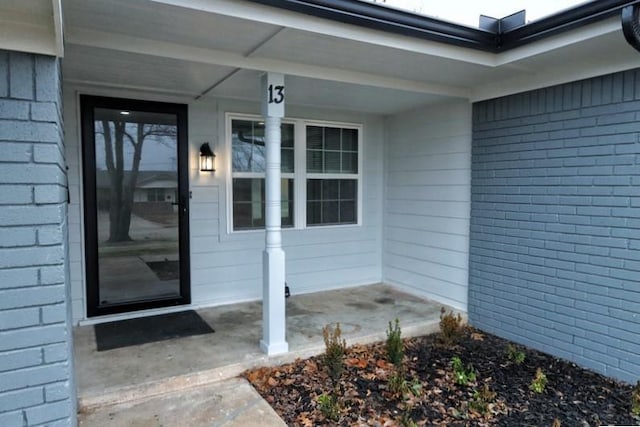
point(120, 138)
point(137, 193)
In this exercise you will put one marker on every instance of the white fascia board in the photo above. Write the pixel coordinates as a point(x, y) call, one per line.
point(288, 19)
point(31, 32)
point(549, 78)
point(58, 26)
point(118, 42)
point(568, 38)
point(27, 38)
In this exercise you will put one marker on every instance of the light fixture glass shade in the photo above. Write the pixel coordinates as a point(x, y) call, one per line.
point(207, 158)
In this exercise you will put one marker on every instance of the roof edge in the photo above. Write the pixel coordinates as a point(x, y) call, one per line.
point(375, 16)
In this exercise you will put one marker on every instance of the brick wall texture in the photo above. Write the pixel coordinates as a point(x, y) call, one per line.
point(36, 384)
point(555, 221)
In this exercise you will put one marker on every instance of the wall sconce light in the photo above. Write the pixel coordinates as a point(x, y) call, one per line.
point(207, 158)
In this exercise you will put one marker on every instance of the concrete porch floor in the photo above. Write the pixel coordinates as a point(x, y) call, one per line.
point(151, 370)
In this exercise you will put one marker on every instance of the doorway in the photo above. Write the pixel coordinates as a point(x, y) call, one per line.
point(136, 204)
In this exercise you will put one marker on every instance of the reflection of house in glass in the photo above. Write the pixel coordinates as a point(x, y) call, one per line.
point(154, 190)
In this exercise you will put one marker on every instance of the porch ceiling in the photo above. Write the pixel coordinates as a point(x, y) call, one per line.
point(218, 48)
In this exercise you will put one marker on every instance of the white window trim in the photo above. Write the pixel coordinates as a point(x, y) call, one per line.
point(299, 175)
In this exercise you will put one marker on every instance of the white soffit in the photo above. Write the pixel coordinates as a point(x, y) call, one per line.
point(33, 26)
point(605, 54)
point(283, 18)
point(104, 67)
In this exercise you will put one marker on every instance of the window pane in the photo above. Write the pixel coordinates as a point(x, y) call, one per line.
point(331, 201)
point(286, 151)
point(330, 189)
point(314, 213)
point(314, 189)
point(314, 161)
point(331, 162)
point(350, 140)
point(350, 162)
point(247, 143)
point(249, 203)
point(348, 189)
point(330, 213)
point(332, 139)
point(287, 160)
point(286, 130)
point(314, 138)
point(332, 150)
point(242, 216)
point(347, 212)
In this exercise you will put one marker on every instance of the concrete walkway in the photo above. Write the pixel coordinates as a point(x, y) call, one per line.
point(228, 403)
point(140, 381)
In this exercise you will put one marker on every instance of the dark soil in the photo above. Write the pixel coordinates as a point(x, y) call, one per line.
point(432, 397)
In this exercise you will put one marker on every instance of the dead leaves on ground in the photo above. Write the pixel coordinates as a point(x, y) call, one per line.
point(365, 399)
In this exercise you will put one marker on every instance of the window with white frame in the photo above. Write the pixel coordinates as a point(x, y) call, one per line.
point(332, 175)
point(248, 174)
point(321, 162)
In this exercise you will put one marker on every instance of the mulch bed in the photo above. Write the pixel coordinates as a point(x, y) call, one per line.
point(572, 397)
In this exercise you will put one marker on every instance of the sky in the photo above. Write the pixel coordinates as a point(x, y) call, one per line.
point(467, 12)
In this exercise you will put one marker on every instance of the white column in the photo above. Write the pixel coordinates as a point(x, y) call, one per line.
point(273, 268)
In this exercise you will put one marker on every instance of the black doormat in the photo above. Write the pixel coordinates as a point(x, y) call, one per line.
point(165, 270)
point(125, 333)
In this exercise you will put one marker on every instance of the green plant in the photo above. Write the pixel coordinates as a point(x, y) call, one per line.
point(450, 327)
point(395, 346)
point(396, 382)
point(635, 400)
point(335, 348)
point(515, 355)
point(539, 382)
point(398, 385)
point(406, 420)
point(482, 399)
point(461, 374)
point(328, 405)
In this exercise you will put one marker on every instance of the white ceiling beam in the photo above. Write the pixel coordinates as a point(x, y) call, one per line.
point(118, 42)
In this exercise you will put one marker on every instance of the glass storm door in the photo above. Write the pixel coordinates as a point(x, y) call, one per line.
point(135, 204)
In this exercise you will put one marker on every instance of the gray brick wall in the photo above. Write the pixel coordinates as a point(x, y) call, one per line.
point(555, 221)
point(36, 379)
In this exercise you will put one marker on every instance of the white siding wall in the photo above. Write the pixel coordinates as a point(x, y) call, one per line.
point(427, 202)
point(227, 268)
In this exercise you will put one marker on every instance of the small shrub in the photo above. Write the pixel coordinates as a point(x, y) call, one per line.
point(450, 327)
point(398, 385)
point(396, 382)
point(406, 420)
point(482, 399)
point(539, 382)
point(395, 346)
point(515, 355)
point(462, 375)
point(335, 348)
point(635, 400)
point(328, 405)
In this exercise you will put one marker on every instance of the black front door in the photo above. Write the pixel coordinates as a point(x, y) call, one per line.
point(136, 204)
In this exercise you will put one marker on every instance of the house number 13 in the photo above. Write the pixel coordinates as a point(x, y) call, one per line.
point(276, 94)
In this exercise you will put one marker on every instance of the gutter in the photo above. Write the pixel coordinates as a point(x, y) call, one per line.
point(375, 16)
